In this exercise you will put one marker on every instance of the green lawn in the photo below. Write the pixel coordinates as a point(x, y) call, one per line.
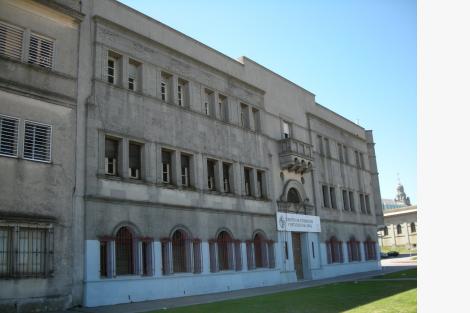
point(412, 273)
point(354, 297)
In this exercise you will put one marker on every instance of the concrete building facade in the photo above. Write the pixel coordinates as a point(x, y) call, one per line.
point(176, 170)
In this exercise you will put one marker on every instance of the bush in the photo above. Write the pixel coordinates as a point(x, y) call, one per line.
point(393, 253)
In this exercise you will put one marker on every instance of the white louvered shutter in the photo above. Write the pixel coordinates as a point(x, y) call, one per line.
point(8, 136)
point(11, 41)
point(41, 51)
point(37, 142)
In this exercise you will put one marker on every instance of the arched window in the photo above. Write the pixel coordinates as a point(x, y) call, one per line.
point(413, 227)
point(293, 196)
point(125, 252)
point(386, 230)
point(354, 252)
point(261, 259)
point(180, 245)
point(224, 251)
point(399, 229)
point(370, 249)
point(334, 250)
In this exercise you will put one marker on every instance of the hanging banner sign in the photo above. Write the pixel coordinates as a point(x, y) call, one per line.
point(298, 222)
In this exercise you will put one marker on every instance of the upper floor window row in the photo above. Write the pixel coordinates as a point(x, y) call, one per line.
point(27, 46)
point(37, 138)
point(123, 71)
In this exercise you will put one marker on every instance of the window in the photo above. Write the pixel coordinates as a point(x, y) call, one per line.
point(327, 147)
point(346, 157)
point(256, 119)
point(224, 251)
point(370, 249)
point(326, 198)
point(8, 135)
point(135, 160)
point(147, 269)
point(293, 196)
point(247, 172)
point(413, 227)
point(185, 170)
point(26, 251)
point(367, 200)
point(211, 164)
point(260, 246)
point(399, 231)
point(104, 256)
point(182, 93)
point(208, 102)
point(354, 251)
point(345, 200)
point(244, 116)
point(111, 154)
point(125, 246)
point(41, 51)
point(386, 230)
point(334, 251)
point(177, 255)
point(361, 159)
point(333, 197)
point(340, 153)
point(362, 203)
point(167, 166)
point(320, 145)
point(285, 130)
point(180, 246)
point(37, 142)
point(223, 108)
point(238, 255)
point(260, 184)
point(133, 71)
point(226, 176)
point(165, 84)
point(11, 41)
point(351, 201)
point(356, 155)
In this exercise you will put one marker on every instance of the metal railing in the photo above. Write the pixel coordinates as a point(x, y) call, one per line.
point(290, 145)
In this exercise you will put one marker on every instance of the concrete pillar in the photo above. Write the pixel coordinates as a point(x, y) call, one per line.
point(251, 117)
point(205, 257)
point(148, 80)
point(158, 80)
point(219, 176)
point(216, 105)
point(176, 171)
point(363, 251)
point(199, 171)
point(236, 175)
point(344, 246)
point(150, 168)
point(174, 90)
point(244, 259)
point(125, 71)
point(124, 169)
point(157, 259)
point(101, 149)
point(204, 178)
point(158, 165)
point(253, 182)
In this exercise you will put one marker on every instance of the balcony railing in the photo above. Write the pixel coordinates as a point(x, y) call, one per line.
point(290, 145)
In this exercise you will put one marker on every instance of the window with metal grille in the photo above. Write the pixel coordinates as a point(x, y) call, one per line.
point(181, 251)
point(211, 164)
point(147, 256)
point(8, 136)
point(125, 246)
point(185, 170)
point(354, 251)
point(135, 150)
point(370, 249)
point(113, 68)
point(224, 251)
point(41, 51)
point(111, 156)
point(334, 251)
point(247, 172)
point(26, 251)
point(37, 142)
point(11, 41)
point(260, 247)
point(167, 167)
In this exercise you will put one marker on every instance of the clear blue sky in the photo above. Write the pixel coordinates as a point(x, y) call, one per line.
point(357, 56)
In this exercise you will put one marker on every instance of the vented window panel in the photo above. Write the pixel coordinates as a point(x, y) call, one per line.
point(37, 142)
point(11, 41)
point(8, 136)
point(41, 51)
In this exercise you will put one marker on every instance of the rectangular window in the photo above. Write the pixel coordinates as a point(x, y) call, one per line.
point(165, 84)
point(326, 198)
point(256, 119)
point(320, 145)
point(259, 181)
point(223, 108)
point(345, 201)
point(133, 71)
point(247, 172)
point(211, 174)
point(167, 167)
point(185, 170)
point(333, 197)
point(226, 175)
point(367, 200)
point(182, 93)
point(208, 102)
point(41, 51)
point(361, 159)
point(37, 142)
point(346, 157)
point(327, 147)
point(351, 201)
point(244, 116)
point(285, 130)
point(11, 41)
point(362, 203)
point(8, 136)
point(135, 160)
point(111, 156)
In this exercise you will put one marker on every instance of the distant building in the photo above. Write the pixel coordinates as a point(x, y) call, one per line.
point(400, 222)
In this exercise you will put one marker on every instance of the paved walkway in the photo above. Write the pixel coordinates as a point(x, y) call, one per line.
point(146, 306)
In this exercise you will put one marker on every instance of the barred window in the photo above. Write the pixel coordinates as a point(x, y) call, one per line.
point(8, 136)
point(260, 247)
point(125, 246)
point(238, 255)
point(147, 256)
point(180, 244)
point(225, 251)
point(370, 249)
point(354, 251)
point(37, 142)
point(11, 41)
point(271, 254)
point(41, 51)
point(26, 251)
point(334, 251)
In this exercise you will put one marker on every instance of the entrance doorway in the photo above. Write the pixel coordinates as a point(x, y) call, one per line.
point(297, 251)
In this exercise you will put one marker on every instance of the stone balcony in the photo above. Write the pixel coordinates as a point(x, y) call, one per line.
point(295, 155)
